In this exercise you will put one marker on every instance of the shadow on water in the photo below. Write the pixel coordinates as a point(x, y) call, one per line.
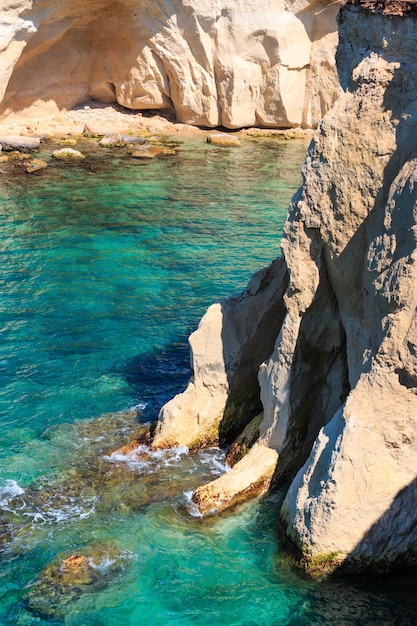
point(157, 375)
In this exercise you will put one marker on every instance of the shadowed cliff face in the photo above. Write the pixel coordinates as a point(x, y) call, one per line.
point(214, 63)
point(357, 211)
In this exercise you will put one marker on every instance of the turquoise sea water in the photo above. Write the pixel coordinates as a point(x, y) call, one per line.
point(106, 268)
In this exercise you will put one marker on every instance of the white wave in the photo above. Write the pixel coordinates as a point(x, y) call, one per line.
point(191, 507)
point(60, 514)
point(8, 491)
point(145, 460)
point(214, 459)
point(106, 564)
point(139, 407)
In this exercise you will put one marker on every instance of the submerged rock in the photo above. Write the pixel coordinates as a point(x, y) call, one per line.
point(221, 139)
point(69, 577)
point(34, 165)
point(143, 439)
point(151, 151)
point(68, 142)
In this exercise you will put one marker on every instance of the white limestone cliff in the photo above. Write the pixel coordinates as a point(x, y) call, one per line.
point(218, 62)
point(232, 340)
point(339, 390)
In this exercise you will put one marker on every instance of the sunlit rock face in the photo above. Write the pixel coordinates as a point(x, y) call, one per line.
point(219, 62)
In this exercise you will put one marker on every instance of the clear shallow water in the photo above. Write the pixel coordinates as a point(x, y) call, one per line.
point(106, 268)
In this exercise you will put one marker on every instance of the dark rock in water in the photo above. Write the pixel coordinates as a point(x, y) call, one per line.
point(67, 578)
point(244, 441)
point(144, 439)
point(15, 142)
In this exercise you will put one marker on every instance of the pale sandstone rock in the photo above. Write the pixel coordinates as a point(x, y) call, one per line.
point(68, 154)
point(355, 219)
point(10, 143)
point(250, 476)
point(111, 141)
point(232, 340)
point(267, 63)
point(221, 139)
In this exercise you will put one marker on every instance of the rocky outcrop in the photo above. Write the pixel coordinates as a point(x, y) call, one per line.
point(232, 340)
point(339, 390)
point(267, 63)
point(357, 212)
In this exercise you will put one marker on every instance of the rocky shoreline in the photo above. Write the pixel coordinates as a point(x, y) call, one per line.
point(92, 127)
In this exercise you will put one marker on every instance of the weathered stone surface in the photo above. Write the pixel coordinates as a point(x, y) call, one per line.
point(112, 141)
point(151, 151)
point(221, 139)
point(34, 165)
point(68, 154)
point(351, 232)
point(232, 340)
point(68, 578)
point(250, 476)
point(243, 442)
point(224, 63)
point(12, 142)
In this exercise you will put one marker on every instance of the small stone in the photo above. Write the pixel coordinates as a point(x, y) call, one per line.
point(68, 142)
point(224, 140)
point(129, 139)
point(17, 156)
point(34, 165)
point(150, 152)
point(68, 154)
point(112, 141)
